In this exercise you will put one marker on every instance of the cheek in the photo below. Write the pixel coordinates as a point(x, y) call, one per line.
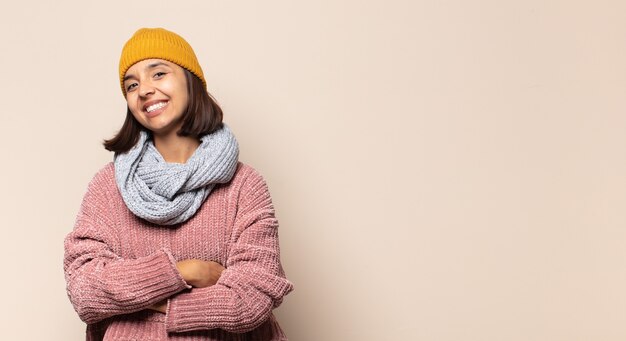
point(184, 100)
point(182, 92)
point(133, 110)
point(130, 99)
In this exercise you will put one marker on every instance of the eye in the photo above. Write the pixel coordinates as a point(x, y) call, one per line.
point(159, 74)
point(130, 87)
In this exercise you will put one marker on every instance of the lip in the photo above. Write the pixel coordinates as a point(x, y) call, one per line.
point(157, 111)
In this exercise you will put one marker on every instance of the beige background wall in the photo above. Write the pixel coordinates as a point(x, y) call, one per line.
point(442, 170)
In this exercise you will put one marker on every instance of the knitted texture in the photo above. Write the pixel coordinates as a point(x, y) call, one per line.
point(170, 193)
point(117, 265)
point(158, 43)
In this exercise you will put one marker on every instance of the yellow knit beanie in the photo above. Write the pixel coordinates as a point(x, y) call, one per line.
point(159, 43)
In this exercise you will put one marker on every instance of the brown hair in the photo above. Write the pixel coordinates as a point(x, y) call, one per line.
point(203, 116)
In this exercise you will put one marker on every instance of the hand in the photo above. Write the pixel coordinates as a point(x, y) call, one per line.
point(199, 273)
point(161, 307)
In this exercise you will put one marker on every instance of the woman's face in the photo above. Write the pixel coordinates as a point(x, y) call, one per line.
point(156, 93)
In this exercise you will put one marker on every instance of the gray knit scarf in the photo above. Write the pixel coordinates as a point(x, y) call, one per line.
point(171, 193)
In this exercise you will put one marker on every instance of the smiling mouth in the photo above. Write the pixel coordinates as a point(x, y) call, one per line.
point(156, 106)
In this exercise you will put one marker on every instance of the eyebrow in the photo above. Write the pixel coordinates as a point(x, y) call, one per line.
point(150, 66)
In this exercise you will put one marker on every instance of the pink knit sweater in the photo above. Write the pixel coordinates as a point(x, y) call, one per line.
point(117, 265)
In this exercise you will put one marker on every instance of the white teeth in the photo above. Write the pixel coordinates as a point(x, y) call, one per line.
point(156, 106)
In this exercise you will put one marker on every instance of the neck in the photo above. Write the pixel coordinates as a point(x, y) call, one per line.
point(174, 148)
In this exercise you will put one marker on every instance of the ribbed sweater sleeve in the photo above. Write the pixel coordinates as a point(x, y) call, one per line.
point(252, 284)
point(101, 284)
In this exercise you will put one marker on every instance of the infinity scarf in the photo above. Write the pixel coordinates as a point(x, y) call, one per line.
point(170, 193)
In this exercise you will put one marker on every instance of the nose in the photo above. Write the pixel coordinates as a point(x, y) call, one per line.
point(145, 89)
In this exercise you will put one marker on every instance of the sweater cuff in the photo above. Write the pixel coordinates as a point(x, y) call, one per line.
point(162, 278)
point(177, 274)
point(187, 311)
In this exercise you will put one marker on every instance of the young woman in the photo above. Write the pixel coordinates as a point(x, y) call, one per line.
point(175, 239)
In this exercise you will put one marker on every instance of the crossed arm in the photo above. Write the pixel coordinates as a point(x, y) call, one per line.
point(236, 297)
point(197, 273)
